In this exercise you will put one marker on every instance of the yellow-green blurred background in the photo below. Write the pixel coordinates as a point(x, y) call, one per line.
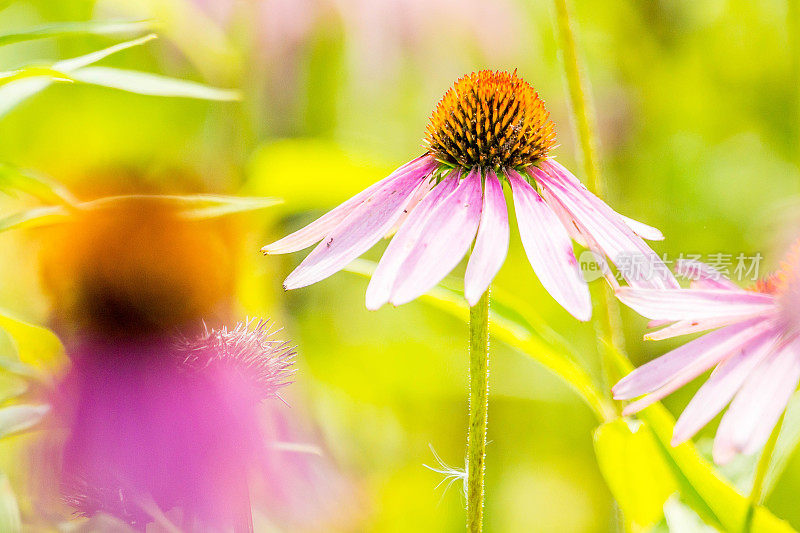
point(697, 111)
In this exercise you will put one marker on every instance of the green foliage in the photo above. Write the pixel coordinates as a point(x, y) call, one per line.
point(310, 173)
point(14, 180)
point(519, 335)
point(190, 206)
point(712, 497)
point(150, 84)
point(701, 487)
point(36, 348)
point(10, 520)
point(26, 82)
point(788, 441)
point(74, 29)
point(633, 466)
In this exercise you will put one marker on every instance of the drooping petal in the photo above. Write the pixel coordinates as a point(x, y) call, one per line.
point(687, 361)
point(723, 384)
point(549, 249)
point(314, 232)
point(491, 245)
point(755, 410)
point(785, 388)
point(680, 304)
point(445, 240)
point(617, 241)
point(411, 205)
point(566, 218)
point(380, 286)
point(703, 276)
point(643, 230)
point(357, 233)
point(687, 327)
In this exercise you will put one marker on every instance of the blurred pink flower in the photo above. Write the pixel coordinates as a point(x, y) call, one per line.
point(178, 425)
point(490, 128)
point(755, 353)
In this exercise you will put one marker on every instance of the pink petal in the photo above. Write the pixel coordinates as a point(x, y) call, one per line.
point(686, 327)
point(491, 245)
point(565, 217)
point(446, 237)
point(723, 384)
point(549, 249)
point(643, 230)
point(314, 232)
point(688, 361)
point(380, 286)
point(758, 405)
point(412, 204)
point(681, 304)
point(605, 226)
point(357, 233)
point(704, 276)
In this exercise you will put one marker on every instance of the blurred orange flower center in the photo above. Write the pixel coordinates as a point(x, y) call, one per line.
point(490, 119)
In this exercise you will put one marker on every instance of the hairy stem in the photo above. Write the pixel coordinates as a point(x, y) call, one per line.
point(478, 410)
point(757, 494)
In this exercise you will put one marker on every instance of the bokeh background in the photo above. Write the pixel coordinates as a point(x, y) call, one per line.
point(697, 111)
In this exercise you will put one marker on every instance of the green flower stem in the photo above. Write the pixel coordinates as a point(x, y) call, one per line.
point(582, 112)
point(793, 30)
point(606, 309)
point(478, 410)
point(757, 493)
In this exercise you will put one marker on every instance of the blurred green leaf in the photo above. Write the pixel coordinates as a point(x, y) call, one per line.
point(197, 35)
point(18, 418)
point(11, 387)
point(190, 207)
point(74, 63)
point(10, 520)
point(36, 346)
point(519, 336)
point(193, 206)
point(151, 84)
point(681, 519)
point(311, 173)
point(638, 477)
point(15, 93)
point(13, 179)
point(33, 72)
point(64, 29)
point(787, 443)
point(34, 218)
point(706, 492)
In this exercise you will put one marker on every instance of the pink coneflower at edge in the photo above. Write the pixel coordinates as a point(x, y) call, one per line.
point(490, 128)
point(178, 422)
point(755, 353)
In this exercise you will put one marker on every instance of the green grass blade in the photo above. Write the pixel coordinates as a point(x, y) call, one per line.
point(71, 29)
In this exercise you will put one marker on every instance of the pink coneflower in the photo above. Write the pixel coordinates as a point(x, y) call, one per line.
point(489, 129)
point(177, 424)
point(755, 353)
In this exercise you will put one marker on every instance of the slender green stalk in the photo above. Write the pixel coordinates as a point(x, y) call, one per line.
point(793, 31)
point(606, 309)
point(478, 410)
point(582, 110)
point(757, 494)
